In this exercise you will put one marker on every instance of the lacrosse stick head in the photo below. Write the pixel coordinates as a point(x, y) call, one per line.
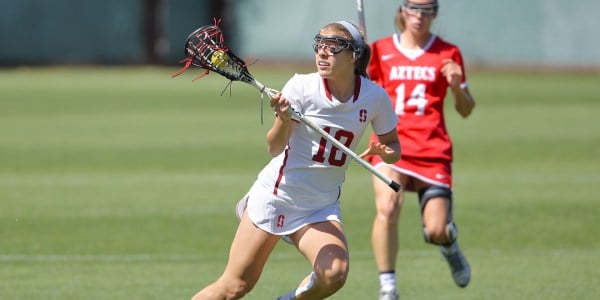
point(206, 48)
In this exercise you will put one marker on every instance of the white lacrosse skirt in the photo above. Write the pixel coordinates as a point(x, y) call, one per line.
point(278, 216)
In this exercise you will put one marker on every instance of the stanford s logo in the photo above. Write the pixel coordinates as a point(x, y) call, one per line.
point(280, 221)
point(362, 115)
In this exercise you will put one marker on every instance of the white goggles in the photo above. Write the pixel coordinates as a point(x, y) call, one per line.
point(424, 9)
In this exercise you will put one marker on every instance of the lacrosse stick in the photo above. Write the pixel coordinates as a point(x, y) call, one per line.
point(205, 47)
point(361, 18)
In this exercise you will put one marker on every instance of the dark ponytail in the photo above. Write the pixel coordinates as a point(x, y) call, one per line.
point(362, 61)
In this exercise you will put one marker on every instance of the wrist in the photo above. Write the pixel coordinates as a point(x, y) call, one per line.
point(456, 88)
point(283, 117)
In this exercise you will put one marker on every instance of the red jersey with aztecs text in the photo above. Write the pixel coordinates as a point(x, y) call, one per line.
point(417, 89)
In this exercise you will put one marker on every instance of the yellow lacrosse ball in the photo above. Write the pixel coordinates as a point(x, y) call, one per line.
point(218, 58)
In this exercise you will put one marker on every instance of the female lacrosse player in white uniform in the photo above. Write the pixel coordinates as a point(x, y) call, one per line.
point(297, 195)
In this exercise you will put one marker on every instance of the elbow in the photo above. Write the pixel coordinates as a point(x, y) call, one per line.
point(273, 146)
point(274, 151)
point(466, 110)
point(465, 113)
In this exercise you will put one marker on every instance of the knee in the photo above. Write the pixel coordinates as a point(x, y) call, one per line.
point(435, 234)
point(388, 208)
point(334, 279)
point(440, 234)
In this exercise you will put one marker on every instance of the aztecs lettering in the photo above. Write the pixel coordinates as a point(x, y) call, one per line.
point(413, 73)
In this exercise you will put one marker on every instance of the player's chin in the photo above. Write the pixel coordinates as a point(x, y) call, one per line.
point(324, 72)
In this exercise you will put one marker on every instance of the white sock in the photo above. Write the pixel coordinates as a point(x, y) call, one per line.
point(289, 296)
point(387, 279)
point(301, 289)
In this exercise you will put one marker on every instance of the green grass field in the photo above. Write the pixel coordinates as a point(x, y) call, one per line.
point(120, 183)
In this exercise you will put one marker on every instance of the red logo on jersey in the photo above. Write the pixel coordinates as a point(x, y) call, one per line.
point(362, 115)
point(280, 220)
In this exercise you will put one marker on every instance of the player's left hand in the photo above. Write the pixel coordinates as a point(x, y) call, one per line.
point(453, 73)
point(376, 148)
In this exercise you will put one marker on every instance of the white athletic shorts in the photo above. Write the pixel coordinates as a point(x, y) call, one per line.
point(276, 215)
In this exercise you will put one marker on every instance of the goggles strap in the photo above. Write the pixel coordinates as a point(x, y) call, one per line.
point(354, 32)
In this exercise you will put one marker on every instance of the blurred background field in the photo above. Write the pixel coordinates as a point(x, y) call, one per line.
point(533, 33)
point(120, 183)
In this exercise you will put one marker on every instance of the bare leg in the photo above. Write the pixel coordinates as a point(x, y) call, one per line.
point(384, 234)
point(440, 231)
point(324, 246)
point(248, 254)
point(435, 220)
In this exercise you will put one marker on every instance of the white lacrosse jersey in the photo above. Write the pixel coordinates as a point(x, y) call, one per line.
point(307, 176)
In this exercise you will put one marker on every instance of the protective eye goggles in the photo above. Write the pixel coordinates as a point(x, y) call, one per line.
point(429, 9)
point(331, 45)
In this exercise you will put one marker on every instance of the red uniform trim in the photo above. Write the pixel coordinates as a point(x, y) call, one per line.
point(357, 83)
point(278, 181)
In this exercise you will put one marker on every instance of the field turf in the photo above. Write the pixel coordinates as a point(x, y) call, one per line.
point(120, 183)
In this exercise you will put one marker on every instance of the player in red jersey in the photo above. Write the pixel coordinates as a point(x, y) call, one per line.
point(417, 68)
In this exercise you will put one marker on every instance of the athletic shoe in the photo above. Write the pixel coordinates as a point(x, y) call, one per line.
point(459, 267)
point(388, 293)
point(287, 296)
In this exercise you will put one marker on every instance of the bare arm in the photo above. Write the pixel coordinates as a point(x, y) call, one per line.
point(463, 100)
point(279, 134)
